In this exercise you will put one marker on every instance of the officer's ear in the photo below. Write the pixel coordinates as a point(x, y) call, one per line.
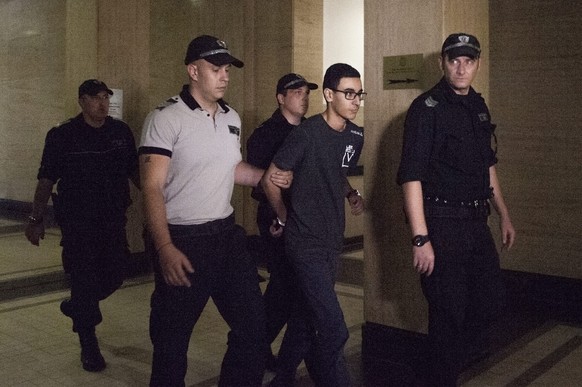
point(192, 70)
point(280, 97)
point(441, 63)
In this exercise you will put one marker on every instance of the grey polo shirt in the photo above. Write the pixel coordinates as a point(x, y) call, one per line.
point(204, 153)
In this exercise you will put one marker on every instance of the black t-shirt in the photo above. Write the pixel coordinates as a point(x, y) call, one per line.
point(91, 167)
point(447, 144)
point(319, 157)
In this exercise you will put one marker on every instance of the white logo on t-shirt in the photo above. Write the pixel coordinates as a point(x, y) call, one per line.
point(348, 154)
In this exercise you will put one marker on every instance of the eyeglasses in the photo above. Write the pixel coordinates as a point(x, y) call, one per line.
point(351, 95)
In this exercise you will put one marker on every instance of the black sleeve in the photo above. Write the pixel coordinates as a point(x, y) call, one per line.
point(261, 147)
point(417, 142)
point(50, 165)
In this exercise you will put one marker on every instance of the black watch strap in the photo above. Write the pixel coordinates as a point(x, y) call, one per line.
point(420, 240)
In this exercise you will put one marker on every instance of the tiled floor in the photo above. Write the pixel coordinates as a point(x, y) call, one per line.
point(37, 346)
point(19, 258)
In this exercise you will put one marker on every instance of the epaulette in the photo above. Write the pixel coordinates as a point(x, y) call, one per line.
point(166, 103)
point(430, 101)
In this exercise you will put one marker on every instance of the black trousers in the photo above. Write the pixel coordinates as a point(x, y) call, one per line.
point(464, 293)
point(282, 287)
point(225, 271)
point(95, 258)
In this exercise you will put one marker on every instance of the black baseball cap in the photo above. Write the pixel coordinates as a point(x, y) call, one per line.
point(293, 81)
point(211, 49)
point(461, 44)
point(93, 87)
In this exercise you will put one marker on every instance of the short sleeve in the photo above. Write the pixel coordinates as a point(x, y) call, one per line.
point(291, 152)
point(417, 143)
point(159, 134)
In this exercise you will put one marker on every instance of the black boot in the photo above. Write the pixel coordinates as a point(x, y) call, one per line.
point(91, 357)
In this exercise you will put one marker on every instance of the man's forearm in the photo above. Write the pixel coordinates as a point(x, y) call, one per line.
point(42, 194)
point(414, 207)
point(155, 214)
point(248, 175)
point(273, 193)
point(497, 200)
point(153, 171)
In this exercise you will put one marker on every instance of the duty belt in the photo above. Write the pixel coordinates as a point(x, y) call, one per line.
point(437, 207)
point(208, 228)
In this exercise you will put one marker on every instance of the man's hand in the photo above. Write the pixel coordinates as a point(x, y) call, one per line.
point(175, 266)
point(34, 232)
point(276, 229)
point(282, 179)
point(423, 259)
point(356, 203)
point(507, 233)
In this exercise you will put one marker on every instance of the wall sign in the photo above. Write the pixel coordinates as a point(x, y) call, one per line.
point(402, 71)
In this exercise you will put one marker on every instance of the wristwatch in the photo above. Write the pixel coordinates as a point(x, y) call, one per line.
point(420, 240)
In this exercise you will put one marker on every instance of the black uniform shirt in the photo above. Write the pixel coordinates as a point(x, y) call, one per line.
point(264, 143)
point(447, 144)
point(92, 167)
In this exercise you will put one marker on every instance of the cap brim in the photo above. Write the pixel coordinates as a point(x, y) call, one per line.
point(310, 86)
point(223, 59)
point(462, 51)
point(95, 92)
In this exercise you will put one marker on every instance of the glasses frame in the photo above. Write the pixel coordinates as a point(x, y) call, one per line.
point(360, 94)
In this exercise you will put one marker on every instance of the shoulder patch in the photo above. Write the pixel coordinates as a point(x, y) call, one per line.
point(166, 103)
point(430, 101)
point(234, 130)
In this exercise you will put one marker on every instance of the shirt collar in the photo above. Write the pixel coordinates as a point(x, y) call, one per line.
point(191, 102)
point(450, 94)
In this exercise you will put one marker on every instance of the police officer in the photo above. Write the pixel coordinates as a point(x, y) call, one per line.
point(292, 93)
point(90, 157)
point(449, 179)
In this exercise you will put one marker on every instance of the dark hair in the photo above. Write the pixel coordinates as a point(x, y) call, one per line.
point(336, 72)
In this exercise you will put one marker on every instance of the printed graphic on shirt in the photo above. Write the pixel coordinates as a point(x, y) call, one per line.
point(483, 117)
point(348, 154)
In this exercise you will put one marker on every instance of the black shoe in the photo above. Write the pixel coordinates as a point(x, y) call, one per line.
point(66, 307)
point(91, 357)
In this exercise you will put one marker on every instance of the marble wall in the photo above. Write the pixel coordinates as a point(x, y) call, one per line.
point(32, 80)
point(536, 84)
